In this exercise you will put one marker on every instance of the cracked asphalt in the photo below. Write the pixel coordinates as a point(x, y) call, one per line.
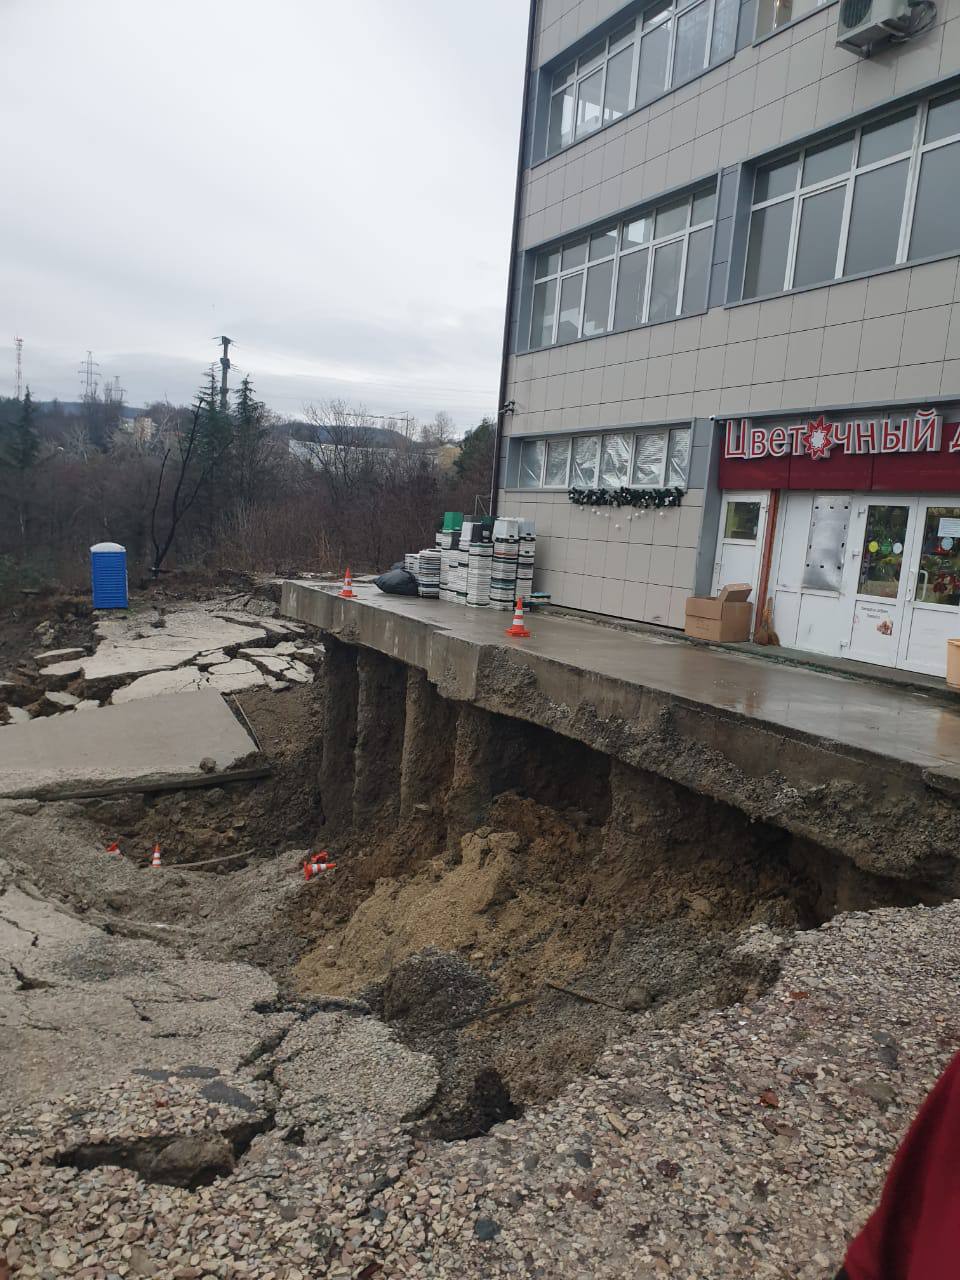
point(163, 1114)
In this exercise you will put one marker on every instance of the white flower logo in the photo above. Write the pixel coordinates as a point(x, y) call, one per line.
point(818, 439)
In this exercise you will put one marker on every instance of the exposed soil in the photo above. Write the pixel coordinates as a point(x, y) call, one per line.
point(513, 955)
point(241, 818)
point(538, 896)
point(40, 622)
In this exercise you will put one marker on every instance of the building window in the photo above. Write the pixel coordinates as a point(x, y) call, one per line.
point(654, 266)
point(651, 459)
point(531, 464)
point(772, 14)
point(669, 43)
point(874, 196)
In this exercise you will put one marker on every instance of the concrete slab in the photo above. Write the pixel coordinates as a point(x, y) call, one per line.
point(63, 701)
point(57, 655)
point(131, 646)
point(115, 744)
point(267, 660)
point(180, 680)
point(212, 659)
point(870, 770)
point(902, 724)
point(61, 673)
point(230, 677)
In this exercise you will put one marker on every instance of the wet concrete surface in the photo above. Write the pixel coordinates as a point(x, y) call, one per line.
point(902, 724)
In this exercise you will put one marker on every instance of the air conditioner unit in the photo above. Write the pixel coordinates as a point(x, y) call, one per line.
point(864, 24)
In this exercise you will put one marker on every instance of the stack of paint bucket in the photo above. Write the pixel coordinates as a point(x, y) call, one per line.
point(506, 549)
point(411, 562)
point(449, 572)
point(476, 558)
point(449, 535)
point(528, 548)
point(428, 578)
point(463, 561)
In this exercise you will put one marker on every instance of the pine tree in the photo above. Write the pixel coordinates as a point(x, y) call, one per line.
point(19, 441)
point(475, 460)
point(214, 427)
point(250, 436)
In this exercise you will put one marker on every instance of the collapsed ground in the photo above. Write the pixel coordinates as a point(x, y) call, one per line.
point(322, 1086)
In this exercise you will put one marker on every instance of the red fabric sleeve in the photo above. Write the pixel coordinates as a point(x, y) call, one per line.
point(914, 1233)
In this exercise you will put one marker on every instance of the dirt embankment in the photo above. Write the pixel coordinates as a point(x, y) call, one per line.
point(540, 896)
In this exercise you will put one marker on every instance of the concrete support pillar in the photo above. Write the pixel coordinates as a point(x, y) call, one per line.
point(339, 735)
point(429, 737)
point(381, 702)
point(476, 764)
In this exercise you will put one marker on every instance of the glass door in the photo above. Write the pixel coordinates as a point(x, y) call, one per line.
point(934, 597)
point(743, 522)
point(881, 585)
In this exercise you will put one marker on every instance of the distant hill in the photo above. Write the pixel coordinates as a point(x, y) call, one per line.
point(72, 408)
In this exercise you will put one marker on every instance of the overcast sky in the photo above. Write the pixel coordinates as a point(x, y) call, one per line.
point(329, 182)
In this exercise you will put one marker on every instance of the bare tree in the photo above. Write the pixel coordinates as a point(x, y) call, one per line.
point(195, 465)
point(76, 439)
point(440, 431)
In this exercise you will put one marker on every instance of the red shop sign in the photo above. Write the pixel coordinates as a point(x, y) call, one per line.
point(904, 453)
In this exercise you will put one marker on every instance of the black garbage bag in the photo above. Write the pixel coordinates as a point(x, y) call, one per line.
point(397, 582)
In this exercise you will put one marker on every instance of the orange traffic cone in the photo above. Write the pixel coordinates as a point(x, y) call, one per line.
point(155, 860)
point(348, 592)
point(517, 627)
point(316, 863)
point(113, 847)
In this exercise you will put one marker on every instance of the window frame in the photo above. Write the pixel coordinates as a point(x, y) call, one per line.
point(759, 36)
point(632, 33)
point(633, 434)
point(649, 247)
point(847, 182)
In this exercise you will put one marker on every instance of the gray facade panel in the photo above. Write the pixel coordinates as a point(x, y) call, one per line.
point(892, 337)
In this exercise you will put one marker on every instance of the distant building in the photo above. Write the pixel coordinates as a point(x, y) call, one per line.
point(141, 429)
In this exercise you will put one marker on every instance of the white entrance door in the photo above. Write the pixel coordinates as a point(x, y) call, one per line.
point(933, 591)
point(743, 523)
point(810, 570)
point(881, 541)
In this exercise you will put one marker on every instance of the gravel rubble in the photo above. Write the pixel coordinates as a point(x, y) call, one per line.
point(749, 1142)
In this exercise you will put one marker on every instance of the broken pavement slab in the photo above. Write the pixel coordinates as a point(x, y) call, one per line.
point(229, 676)
point(118, 744)
point(58, 655)
point(134, 646)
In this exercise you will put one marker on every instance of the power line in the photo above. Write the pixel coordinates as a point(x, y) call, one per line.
point(88, 378)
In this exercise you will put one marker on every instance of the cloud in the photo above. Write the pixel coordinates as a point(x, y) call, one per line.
point(329, 185)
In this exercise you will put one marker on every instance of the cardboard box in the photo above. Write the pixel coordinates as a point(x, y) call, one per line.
point(953, 664)
point(727, 616)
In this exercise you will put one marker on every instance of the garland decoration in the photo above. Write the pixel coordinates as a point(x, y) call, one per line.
point(624, 497)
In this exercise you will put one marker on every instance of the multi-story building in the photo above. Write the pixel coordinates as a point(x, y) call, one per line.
point(735, 311)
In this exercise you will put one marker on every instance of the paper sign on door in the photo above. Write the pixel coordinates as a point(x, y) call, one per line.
point(949, 527)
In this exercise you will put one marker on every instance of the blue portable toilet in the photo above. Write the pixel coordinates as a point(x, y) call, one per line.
point(108, 573)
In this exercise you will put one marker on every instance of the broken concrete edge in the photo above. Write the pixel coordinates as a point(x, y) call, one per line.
point(889, 817)
point(454, 665)
point(449, 661)
point(144, 786)
point(284, 655)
